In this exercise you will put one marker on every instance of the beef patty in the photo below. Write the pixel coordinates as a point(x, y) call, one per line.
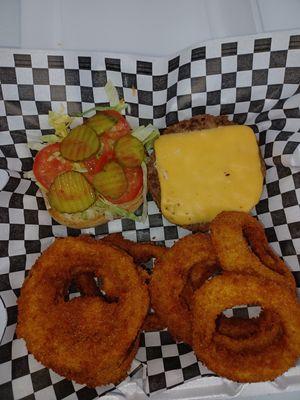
point(197, 123)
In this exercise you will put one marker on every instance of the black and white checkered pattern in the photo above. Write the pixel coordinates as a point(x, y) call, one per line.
point(248, 79)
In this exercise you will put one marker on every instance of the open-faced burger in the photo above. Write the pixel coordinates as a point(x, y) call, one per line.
point(96, 171)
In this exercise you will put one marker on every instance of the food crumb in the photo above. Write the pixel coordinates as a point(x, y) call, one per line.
point(133, 91)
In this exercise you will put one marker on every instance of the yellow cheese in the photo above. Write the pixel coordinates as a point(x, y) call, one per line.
point(202, 173)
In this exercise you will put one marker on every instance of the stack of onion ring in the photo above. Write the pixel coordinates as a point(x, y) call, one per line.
point(78, 338)
point(191, 284)
point(252, 365)
point(179, 276)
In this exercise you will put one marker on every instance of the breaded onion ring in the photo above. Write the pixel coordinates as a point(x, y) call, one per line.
point(232, 232)
point(141, 253)
point(197, 275)
point(169, 279)
point(234, 333)
point(78, 338)
point(86, 284)
point(238, 334)
point(153, 323)
point(231, 289)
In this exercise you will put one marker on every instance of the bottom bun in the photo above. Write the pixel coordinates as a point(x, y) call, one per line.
point(91, 217)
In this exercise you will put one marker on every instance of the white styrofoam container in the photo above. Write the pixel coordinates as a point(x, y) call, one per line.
point(152, 28)
point(138, 26)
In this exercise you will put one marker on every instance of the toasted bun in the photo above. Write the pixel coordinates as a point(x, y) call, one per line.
point(77, 221)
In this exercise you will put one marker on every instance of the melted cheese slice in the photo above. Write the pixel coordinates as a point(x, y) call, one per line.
point(202, 173)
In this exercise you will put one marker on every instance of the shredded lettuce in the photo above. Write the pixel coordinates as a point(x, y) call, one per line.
point(119, 107)
point(49, 139)
point(112, 211)
point(30, 175)
point(113, 98)
point(147, 135)
point(42, 188)
point(60, 122)
point(36, 145)
point(79, 167)
point(111, 93)
point(118, 211)
point(43, 141)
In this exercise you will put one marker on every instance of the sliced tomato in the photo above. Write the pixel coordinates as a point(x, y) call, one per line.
point(95, 164)
point(108, 139)
point(121, 128)
point(135, 183)
point(47, 166)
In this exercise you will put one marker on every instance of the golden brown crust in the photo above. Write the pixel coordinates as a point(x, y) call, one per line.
point(153, 323)
point(169, 278)
point(90, 350)
point(253, 334)
point(140, 252)
point(226, 291)
point(242, 246)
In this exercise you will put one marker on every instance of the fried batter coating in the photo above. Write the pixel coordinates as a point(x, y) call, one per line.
point(86, 284)
point(197, 275)
point(169, 279)
point(140, 252)
point(231, 289)
point(242, 247)
point(86, 339)
point(238, 334)
point(153, 323)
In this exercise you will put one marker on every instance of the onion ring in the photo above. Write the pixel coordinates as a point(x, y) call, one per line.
point(238, 334)
point(79, 339)
point(197, 275)
point(86, 284)
point(231, 232)
point(234, 333)
point(141, 253)
point(231, 289)
point(153, 323)
point(169, 279)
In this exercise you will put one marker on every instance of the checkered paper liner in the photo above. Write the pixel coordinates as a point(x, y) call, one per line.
point(249, 79)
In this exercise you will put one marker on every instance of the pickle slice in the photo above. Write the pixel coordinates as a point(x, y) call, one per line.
point(129, 151)
point(101, 122)
point(70, 192)
point(81, 143)
point(111, 181)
